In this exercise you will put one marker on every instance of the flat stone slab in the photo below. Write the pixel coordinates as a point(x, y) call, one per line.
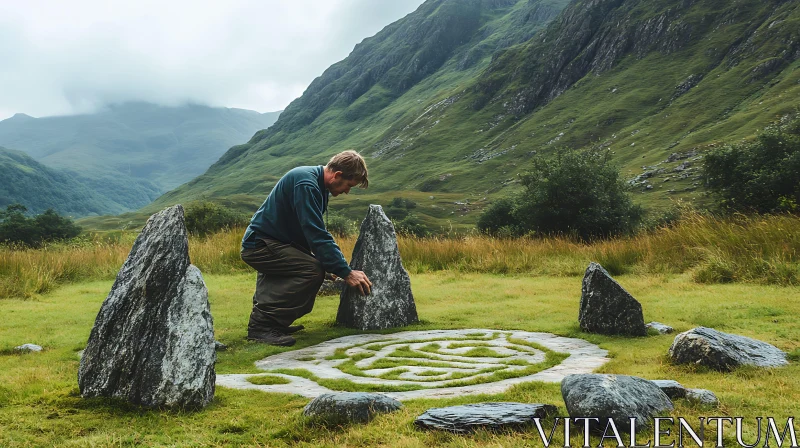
point(433, 361)
point(349, 407)
point(28, 348)
point(494, 416)
point(661, 328)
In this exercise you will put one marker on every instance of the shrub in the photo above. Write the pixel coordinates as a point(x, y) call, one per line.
point(339, 225)
point(411, 225)
point(498, 218)
point(759, 176)
point(204, 217)
point(16, 228)
point(574, 192)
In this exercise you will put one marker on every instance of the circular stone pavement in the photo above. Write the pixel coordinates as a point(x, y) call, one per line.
point(426, 364)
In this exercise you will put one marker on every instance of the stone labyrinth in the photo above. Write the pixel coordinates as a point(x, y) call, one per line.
point(422, 364)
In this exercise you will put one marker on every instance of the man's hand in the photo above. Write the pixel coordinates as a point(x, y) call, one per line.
point(358, 279)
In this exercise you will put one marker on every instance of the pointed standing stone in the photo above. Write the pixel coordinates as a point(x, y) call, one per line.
point(606, 307)
point(391, 303)
point(153, 340)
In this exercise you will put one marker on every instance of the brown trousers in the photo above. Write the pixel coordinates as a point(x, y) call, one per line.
point(286, 286)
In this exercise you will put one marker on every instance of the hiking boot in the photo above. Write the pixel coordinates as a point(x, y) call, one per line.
point(271, 336)
point(292, 329)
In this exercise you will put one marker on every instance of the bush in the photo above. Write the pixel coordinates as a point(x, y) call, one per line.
point(16, 228)
point(498, 218)
point(204, 217)
point(398, 209)
point(760, 176)
point(574, 192)
point(339, 225)
point(411, 225)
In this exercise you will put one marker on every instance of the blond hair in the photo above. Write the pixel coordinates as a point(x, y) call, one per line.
point(352, 166)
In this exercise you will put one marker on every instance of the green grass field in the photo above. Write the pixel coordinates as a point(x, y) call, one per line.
point(40, 404)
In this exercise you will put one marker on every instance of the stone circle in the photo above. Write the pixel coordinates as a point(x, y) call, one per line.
point(430, 364)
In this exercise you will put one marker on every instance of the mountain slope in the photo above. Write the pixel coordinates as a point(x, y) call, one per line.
point(38, 187)
point(132, 152)
point(656, 81)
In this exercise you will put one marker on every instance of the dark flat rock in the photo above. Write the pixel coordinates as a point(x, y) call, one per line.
point(723, 351)
point(494, 416)
point(606, 307)
point(349, 407)
point(391, 303)
point(616, 397)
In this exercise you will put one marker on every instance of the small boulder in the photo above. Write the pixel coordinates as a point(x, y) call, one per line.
point(606, 307)
point(28, 348)
point(331, 287)
point(494, 416)
point(672, 388)
point(702, 396)
point(661, 328)
point(615, 397)
point(349, 407)
point(219, 346)
point(152, 343)
point(391, 303)
point(723, 351)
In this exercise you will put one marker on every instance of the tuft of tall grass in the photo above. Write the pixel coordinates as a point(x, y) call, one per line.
point(759, 249)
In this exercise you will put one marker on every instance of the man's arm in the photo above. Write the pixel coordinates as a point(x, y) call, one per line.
point(308, 207)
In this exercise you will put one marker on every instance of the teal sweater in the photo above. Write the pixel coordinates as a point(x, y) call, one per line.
point(292, 214)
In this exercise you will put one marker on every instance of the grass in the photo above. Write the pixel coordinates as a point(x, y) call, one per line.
point(753, 249)
point(267, 380)
point(40, 406)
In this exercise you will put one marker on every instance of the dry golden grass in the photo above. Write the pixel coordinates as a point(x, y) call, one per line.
point(761, 249)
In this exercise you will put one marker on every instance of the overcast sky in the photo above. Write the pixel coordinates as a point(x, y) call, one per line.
point(65, 57)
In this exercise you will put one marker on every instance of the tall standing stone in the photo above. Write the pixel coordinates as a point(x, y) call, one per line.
point(606, 307)
point(153, 340)
point(391, 303)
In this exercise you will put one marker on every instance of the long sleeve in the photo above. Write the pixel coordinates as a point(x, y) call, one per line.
point(308, 206)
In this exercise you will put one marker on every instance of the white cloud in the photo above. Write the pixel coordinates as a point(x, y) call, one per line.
point(70, 57)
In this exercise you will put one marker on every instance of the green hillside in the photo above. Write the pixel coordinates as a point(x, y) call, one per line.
point(38, 187)
point(450, 103)
point(131, 153)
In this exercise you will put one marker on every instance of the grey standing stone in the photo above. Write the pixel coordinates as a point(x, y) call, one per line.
point(391, 303)
point(723, 351)
point(28, 348)
point(661, 328)
point(153, 340)
point(615, 397)
point(349, 407)
point(672, 388)
point(702, 396)
point(606, 307)
point(495, 416)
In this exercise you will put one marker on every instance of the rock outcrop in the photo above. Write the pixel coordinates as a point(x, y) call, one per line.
point(615, 397)
point(349, 407)
point(494, 416)
point(391, 303)
point(723, 351)
point(606, 307)
point(153, 340)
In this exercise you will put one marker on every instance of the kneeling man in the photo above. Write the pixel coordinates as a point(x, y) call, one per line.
point(289, 246)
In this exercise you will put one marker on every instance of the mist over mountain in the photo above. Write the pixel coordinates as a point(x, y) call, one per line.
point(129, 154)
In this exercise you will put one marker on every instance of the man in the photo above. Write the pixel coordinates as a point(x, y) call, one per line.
point(287, 243)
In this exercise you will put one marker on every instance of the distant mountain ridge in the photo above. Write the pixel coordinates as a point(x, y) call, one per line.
point(130, 153)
